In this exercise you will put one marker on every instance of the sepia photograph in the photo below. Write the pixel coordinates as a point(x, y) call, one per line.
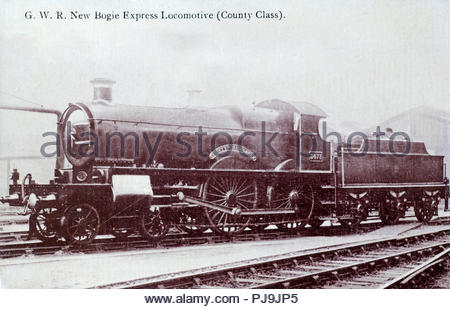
point(239, 145)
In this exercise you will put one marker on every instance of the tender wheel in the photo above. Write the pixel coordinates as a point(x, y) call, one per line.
point(299, 198)
point(187, 225)
point(152, 226)
point(391, 211)
point(45, 223)
point(350, 223)
point(424, 209)
point(389, 216)
point(355, 205)
point(232, 192)
point(81, 224)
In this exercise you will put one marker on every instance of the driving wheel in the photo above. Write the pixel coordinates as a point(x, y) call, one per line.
point(232, 192)
point(298, 198)
point(191, 224)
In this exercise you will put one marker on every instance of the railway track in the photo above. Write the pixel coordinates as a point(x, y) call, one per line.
point(174, 239)
point(22, 235)
point(19, 246)
point(424, 274)
point(381, 263)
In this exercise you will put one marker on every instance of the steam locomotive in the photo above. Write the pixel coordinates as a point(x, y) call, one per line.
point(122, 168)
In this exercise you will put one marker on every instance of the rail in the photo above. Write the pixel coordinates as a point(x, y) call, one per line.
point(300, 269)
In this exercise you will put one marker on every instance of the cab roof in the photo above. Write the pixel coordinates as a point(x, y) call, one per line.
point(293, 106)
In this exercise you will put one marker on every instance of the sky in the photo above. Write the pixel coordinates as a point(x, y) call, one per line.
point(360, 61)
point(365, 60)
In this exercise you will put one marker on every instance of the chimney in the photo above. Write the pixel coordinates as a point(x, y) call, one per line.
point(102, 90)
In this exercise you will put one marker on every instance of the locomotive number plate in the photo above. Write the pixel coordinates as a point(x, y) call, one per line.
point(315, 156)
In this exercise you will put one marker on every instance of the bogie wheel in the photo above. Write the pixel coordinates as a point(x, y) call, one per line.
point(45, 223)
point(231, 192)
point(152, 226)
point(80, 224)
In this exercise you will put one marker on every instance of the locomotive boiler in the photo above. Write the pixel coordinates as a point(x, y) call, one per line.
point(121, 167)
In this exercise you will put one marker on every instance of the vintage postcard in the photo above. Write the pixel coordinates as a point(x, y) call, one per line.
point(210, 145)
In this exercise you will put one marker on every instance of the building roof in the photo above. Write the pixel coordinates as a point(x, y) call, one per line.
point(423, 110)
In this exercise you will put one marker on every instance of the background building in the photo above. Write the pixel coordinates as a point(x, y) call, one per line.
point(427, 124)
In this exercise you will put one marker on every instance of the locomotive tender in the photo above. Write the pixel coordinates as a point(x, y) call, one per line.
point(122, 167)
